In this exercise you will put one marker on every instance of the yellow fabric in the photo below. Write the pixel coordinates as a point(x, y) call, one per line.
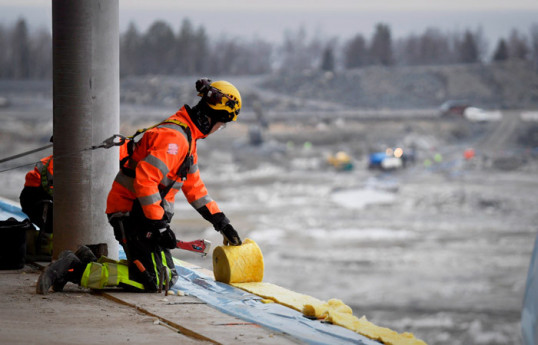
point(279, 294)
point(372, 331)
point(242, 267)
point(334, 311)
point(321, 311)
point(238, 264)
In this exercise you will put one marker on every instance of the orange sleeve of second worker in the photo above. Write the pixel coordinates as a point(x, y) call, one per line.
point(32, 178)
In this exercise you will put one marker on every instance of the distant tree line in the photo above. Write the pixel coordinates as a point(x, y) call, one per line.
point(189, 51)
point(26, 54)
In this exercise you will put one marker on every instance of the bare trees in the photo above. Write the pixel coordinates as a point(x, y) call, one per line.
point(25, 54)
point(356, 52)
point(189, 50)
point(518, 46)
point(434, 47)
point(468, 49)
point(379, 51)
point(534, 45)
point(430, 47)
point(381, 48)
point(501, 52)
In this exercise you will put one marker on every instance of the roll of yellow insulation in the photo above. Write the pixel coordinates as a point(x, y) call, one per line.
point(238, 264)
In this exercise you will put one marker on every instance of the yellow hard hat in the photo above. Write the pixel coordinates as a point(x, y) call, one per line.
point(343, 157)
point(221, 96)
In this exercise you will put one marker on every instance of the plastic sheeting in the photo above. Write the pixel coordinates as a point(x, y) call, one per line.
point(248, 307)
point(9, 209)
point(529, 314)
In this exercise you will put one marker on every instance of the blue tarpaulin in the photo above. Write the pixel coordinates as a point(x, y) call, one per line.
point(9, 209)
point(248, 307)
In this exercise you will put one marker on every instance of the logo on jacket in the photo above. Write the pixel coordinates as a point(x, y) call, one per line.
point(172, 149)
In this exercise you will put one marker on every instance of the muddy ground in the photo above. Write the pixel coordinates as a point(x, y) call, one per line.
point(440, 248)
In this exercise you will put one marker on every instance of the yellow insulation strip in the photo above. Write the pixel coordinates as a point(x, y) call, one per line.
point(279, 294)
point(242, 267)
point(321, 311)
point(372, 331)
point(238, 264)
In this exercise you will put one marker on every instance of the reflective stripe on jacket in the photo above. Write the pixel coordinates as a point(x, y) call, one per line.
point(99, 275)
point(106, 272)
point(156, 159)
point(41, 175)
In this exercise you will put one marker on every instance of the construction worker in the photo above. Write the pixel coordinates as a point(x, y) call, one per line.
point(36, 203)
point(161, 161)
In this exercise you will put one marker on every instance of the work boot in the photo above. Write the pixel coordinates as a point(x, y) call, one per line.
point(74, 273)
point(58, 273)
point(85, 255)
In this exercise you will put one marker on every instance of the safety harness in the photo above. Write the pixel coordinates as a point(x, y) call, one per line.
point(46, 178)
point(184, 167)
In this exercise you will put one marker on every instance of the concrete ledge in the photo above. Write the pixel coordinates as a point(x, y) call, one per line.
point(115, 317)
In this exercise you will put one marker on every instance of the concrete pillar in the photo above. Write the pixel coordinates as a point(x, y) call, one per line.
point(86, 111)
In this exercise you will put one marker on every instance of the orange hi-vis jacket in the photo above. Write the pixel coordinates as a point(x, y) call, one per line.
point(155, 160)
point(41, 175)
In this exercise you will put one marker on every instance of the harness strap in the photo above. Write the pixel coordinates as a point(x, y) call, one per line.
point(46, 182)
point(185, 165)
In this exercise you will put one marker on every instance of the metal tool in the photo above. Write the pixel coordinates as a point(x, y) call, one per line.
point(198, 246)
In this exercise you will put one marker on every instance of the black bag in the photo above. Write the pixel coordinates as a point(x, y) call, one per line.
point(13, 243)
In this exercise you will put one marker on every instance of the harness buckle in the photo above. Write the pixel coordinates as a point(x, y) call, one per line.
point(115, 140)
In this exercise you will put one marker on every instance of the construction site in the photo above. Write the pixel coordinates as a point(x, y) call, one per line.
point(431, 243)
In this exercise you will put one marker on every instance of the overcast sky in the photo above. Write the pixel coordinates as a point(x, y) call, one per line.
point(269, 19)
point(315, 5)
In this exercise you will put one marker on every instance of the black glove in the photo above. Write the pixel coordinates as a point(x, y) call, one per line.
point(219, 220)
point(221, 224)
point(167, 238)
point(116, 220)
point(230, 236)
point(153, 228)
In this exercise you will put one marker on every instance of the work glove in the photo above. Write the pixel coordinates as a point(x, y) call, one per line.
point(116, 219)
point(230, 236)
point(153, 229)
point(159, 231)
point(167, 238)
point(222, 224)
